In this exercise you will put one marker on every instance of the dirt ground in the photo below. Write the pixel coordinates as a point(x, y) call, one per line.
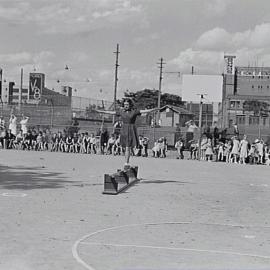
point(181, 215)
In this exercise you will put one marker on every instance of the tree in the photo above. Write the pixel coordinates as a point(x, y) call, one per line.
point(149, 98)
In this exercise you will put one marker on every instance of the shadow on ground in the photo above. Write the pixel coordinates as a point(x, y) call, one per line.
point(159, 181)
point(25, 178)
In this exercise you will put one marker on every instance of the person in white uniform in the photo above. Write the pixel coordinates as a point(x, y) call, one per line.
point(13, 124)
point(23, 123)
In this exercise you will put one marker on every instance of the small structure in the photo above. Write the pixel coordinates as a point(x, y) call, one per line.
point(173, 116)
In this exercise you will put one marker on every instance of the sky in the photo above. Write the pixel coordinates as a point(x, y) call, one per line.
point(47, 35)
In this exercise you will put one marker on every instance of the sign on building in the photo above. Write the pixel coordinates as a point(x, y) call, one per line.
point(229, 65)
point(36, 85)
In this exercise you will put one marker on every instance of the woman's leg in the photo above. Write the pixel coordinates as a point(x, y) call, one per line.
point(127, 155)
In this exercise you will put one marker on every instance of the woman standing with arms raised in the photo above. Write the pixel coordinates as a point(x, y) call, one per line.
point(128, 136)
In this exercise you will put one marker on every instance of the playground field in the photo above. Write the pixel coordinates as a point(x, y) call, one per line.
point(183, 214)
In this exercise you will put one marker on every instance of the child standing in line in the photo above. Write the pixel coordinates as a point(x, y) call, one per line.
point(179, 145)
point(93, 142)
point(209, 150)
point(267, 156)
point(54, 142)
point(259, 145)
point(145, 147)
point(221, 151)
point(252, 154)
point(39, 145)
point(204, 142)
point(235, 149)
point(243, 146)
point(156, 149)
point(227, 151)
point(110, 145)
point(163, 147)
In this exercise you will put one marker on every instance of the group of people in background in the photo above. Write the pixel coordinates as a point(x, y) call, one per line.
point(43, 140)
point(237, 149)
point(213, 146)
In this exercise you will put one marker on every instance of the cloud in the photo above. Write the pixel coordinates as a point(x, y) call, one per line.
point(16, 58)
point(217, 38)
point(217, 7)
point(146, 38)
point(220, 39)
point(206, 61)
point(13, 12)
point(66, 16)
point(23, 58)
point(206, 56)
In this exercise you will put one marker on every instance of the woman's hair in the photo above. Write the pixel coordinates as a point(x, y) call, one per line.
point(129, 100)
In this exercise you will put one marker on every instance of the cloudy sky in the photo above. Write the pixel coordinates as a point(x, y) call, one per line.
point(48, 35)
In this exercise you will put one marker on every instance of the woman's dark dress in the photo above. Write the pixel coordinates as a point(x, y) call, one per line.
point(129, 135)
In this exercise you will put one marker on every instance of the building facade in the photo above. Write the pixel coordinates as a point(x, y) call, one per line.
point(207, 112)
point(246, 97)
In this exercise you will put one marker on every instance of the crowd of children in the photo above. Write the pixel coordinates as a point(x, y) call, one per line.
point(231, 150)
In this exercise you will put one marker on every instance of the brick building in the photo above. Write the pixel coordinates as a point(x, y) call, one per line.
point(242, 88)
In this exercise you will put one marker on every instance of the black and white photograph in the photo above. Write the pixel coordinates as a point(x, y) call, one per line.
point(135, 134)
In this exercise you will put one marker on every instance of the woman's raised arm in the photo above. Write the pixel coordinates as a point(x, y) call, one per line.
point(107, 112)
point(148, 110)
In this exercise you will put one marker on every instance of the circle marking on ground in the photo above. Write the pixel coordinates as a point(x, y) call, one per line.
point(82, 241)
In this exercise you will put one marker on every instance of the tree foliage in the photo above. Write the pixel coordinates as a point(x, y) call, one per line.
point(149, 99)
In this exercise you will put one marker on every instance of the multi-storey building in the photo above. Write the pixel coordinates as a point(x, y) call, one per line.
point(246, 97)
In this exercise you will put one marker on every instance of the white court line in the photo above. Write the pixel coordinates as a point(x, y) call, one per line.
point(178, 249)
point(258, 185)
point(81, 240)
point(18, 195)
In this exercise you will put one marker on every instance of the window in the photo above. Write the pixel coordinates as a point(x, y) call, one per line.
point(264, 120)
point(252, 86)
point(254, 120)
point(240, 119)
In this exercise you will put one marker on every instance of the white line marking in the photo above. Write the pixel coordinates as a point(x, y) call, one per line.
point(258, 185)
point(14, 194)
point(178, 248)
point(250, 236)
point(80, 261)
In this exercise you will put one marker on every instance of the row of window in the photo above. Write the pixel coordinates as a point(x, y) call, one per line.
point(259, 87)
point(260, 77)
point(253, 120)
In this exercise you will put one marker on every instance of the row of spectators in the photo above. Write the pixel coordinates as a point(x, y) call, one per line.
point(231, 150)
point(84, 143)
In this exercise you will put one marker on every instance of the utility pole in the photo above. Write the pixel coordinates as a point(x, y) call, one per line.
point(116, 75)
point(161, 63)
point(200, 123)
point(20, 91)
